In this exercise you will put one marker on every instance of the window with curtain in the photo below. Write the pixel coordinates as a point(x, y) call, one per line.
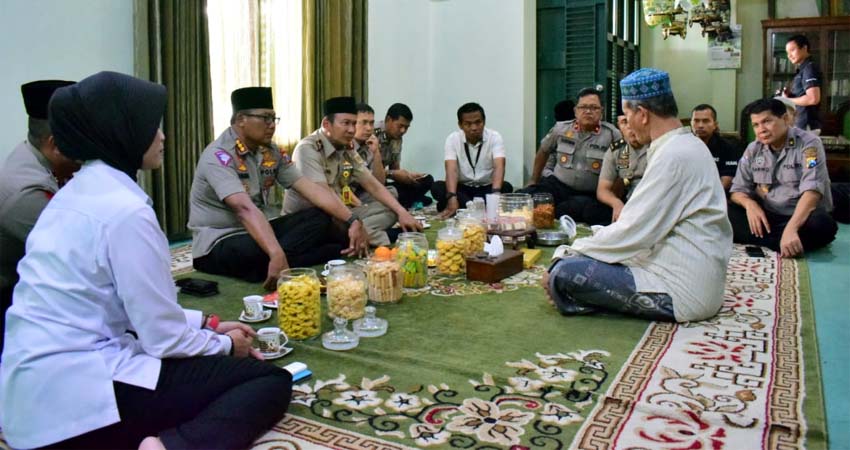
point(257, 43)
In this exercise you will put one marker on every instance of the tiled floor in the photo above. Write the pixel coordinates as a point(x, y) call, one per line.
point(830, 274)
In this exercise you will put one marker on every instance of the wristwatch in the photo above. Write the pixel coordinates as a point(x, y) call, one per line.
point(352, 219)
point(496, 191)
point(211, 322)
point(450, 195)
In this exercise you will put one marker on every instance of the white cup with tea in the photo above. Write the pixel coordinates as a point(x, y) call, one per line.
point(271, 340)
point(253, 306)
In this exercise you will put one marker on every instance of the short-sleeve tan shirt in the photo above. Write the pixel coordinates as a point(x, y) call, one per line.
point(223, 170)
point(321, 162)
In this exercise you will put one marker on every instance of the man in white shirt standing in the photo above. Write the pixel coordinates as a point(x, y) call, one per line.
point(475, 162)
point(666, 256)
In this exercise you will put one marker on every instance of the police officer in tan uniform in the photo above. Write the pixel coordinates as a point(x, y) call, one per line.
point(564, 112)
point(622, 169)
point(327, 157)
point(580, 150)
point(31, 174)
point(781, 195)
point(235, 229)
point(411, 186)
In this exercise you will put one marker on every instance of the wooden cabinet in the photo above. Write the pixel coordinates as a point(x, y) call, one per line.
point(830, 49)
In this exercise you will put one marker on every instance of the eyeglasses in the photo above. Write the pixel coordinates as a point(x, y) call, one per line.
point(589, 108)
point(268, 119)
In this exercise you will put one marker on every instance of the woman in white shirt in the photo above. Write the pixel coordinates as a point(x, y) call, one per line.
point(98, 354)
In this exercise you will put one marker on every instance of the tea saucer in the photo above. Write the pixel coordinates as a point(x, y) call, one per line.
point(283, 352)
point(266, 315)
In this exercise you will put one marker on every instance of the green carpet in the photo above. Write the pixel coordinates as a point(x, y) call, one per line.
point(505, 369)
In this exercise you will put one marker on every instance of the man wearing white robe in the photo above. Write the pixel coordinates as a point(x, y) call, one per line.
point(666, 256)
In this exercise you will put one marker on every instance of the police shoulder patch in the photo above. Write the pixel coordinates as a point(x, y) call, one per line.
point(223, 157)
point(811, 155)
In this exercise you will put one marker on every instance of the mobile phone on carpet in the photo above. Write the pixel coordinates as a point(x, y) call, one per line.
point(754, 251)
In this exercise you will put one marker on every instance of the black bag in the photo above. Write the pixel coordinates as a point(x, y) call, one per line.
point(197, 287)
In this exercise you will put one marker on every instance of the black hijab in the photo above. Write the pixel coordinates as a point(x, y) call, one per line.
point(108, 116)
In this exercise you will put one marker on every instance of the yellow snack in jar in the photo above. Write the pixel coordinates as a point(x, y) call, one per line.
point(299, 309)
point(450, 259)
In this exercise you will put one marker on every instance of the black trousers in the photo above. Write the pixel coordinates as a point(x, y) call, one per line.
point(308, 237)
point(841, 202)
point(206, 402)
point(581, 206)
point(5, 303)
point(464, 193)
point(818, 230)
point(408, 194)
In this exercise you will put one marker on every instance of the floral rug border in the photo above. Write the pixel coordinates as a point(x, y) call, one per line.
point(768, 414)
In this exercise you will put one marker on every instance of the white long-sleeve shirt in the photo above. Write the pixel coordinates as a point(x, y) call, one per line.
point(96, 265)
point(673, 233)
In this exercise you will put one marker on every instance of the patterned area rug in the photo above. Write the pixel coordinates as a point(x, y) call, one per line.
point(737, 381)
point(493, 366)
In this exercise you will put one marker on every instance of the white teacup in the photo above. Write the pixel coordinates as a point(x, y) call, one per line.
point(253, 306)
point(334, 263)
point(271, 339)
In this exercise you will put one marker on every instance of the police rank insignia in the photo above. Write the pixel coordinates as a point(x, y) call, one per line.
point(811, 155)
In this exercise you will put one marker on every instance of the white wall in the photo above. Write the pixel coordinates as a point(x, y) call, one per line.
point(436, 55)
point(57, 39)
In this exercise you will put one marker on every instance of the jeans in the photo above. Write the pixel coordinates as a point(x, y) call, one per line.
point(580, 285)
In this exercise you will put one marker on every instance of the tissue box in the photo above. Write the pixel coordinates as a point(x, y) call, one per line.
point(492, 270)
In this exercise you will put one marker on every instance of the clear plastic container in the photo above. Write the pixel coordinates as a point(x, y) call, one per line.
point(544, 210)
point(384, 279)
point(347, 295)
point(299, 303)
point(516, 211)
point(413, 258)
point(451, 249)
point(474, 233)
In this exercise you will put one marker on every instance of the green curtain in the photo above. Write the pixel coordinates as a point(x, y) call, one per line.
point(335, 55)
point(177, 46)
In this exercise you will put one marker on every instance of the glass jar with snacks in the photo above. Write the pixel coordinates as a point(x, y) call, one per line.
point(413, 258)
point(544, 210)
point(474, 233)
point(516, 211)
point(346, 289)
point(299, 303)
point(451, 247)
point(383, 276)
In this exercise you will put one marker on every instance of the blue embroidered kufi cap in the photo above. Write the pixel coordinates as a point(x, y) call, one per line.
point(645, 83)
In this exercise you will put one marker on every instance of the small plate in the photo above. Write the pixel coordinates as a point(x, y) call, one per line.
point(266, 316)
point(283, 352)
point(271, 305)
